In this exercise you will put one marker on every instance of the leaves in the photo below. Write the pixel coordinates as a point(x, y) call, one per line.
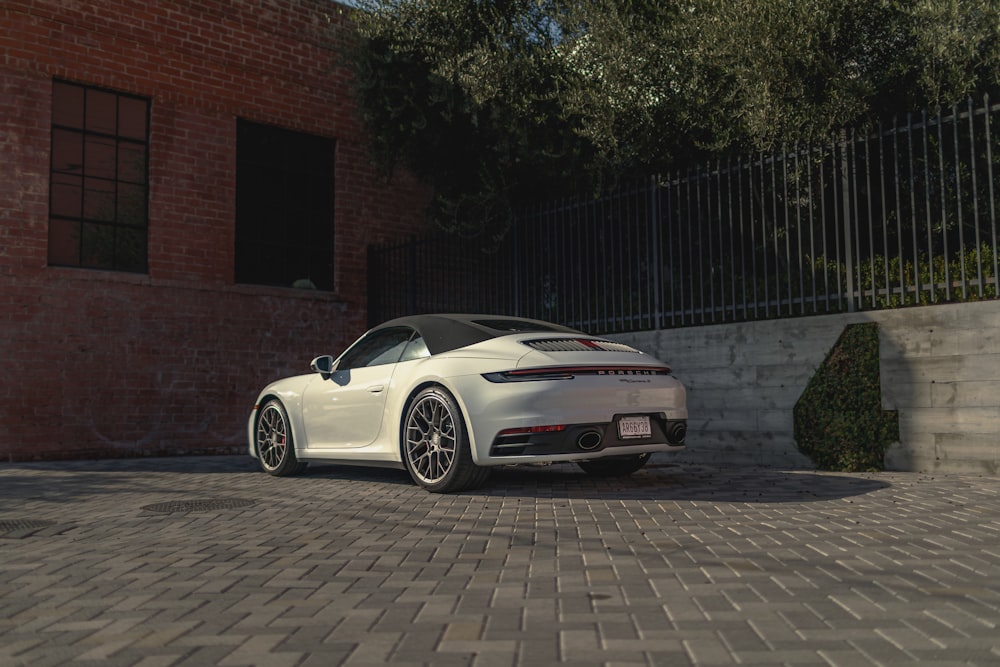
point(500, 102)
point(839, 421)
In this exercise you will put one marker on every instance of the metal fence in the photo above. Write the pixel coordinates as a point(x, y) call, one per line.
point(905, 214)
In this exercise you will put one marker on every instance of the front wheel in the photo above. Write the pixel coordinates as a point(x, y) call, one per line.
point(275, 448)
point(616, 466)
point(436, 446)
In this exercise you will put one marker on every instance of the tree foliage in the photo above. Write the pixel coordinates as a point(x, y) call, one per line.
point(496, 102)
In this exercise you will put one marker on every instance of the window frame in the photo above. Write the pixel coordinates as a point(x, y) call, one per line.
point(361, 354)
point(98, 215)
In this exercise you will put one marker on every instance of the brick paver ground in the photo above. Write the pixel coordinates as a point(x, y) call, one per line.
point(205, 561)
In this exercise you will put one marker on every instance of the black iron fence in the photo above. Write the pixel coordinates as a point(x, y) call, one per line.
point(905, 214)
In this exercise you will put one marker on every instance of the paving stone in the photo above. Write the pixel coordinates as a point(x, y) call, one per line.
point(543, 566)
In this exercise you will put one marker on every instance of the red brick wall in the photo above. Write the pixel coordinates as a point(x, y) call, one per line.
point(100, 363)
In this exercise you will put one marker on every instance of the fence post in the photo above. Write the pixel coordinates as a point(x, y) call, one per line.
point(848, 237)
point(654, 219)
point(517, 269)
point(411, 284)
point(376, 295)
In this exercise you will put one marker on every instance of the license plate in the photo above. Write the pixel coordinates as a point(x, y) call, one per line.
point(634, 426)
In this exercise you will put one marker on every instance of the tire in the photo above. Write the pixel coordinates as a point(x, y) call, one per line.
point(615, 466)
point(436, 447)
point(275, 448)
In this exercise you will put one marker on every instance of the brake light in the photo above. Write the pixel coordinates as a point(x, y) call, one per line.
point(553, 428)
point(529, 375)
point(569, 372)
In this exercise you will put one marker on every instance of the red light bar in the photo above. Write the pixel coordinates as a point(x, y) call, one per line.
point(553, 428)
point(589, 370)
point(568, 372)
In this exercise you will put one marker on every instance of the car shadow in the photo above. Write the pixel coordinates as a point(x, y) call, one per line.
point(65, 481)
point(654, 482)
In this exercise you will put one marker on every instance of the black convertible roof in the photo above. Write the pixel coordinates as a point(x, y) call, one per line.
point(445, 332)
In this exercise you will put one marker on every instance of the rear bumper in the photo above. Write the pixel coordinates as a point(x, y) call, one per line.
point(579, 407)
point(589, 440)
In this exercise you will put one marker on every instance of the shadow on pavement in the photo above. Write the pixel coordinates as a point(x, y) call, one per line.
point(225, 463)
point(656, 482)
point(68, 480)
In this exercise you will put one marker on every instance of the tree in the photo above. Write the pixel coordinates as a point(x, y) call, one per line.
point(498, 102)
point(954, 48)
point(468, 96)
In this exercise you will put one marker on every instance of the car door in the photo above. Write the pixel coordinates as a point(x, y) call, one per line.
point(344, 409)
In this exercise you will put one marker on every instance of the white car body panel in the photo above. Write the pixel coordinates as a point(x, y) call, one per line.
point(346, 410)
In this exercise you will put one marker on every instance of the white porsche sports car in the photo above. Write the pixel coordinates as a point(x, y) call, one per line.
point(447, 397)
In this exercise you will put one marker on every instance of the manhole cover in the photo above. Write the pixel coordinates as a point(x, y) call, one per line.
point(205, 505)
point(22, 527)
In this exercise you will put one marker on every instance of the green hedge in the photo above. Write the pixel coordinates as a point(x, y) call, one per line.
point(839, 420)
point(895, 282)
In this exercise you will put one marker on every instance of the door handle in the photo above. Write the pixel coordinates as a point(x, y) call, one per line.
point(376, 389)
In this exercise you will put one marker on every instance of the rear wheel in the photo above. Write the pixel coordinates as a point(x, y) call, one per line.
point(616, 466)
point(436, 445)
point(275, 448)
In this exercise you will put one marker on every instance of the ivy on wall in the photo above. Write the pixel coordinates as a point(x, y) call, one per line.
point(839, 421)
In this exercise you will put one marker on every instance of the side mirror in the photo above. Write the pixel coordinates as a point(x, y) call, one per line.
point(322, 365)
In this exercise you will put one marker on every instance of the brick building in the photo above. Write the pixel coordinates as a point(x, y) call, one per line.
point(172, 176)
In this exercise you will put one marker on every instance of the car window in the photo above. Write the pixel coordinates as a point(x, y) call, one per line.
point(378, 347)
point(415, 349)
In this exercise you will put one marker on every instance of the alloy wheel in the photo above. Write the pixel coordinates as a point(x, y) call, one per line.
point(272, 437)
point(431, 440)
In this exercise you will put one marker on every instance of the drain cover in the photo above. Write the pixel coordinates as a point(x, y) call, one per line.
point(204, 505)
point(22, 527)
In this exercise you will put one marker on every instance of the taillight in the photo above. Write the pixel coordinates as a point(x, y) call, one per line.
point(529, 375)
point(569, 372)
point(553, 428)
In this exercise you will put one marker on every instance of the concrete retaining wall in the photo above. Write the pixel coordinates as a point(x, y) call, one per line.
point(940, 368)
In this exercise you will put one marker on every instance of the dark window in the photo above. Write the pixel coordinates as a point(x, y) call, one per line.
point(98, 178)
point(415, 349)
point(284, 207)
point(384, 346)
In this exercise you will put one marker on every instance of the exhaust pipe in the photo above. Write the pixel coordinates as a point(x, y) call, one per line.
point(676, 433)
point(589, 440)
